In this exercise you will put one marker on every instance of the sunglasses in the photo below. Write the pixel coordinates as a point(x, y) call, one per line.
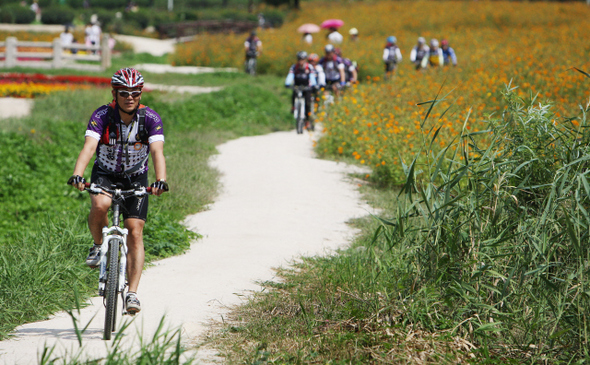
point(126, 94)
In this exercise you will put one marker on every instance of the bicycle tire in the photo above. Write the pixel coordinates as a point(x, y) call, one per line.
point(252, 66)
point(299, 118)
point(111, 288)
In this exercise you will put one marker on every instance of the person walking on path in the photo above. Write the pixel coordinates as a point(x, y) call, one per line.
point(391, 56)
point(334, 36)
point(354, 34)
point(435, 54)
point(449, 55)
point(123, 134)
point(419, 54)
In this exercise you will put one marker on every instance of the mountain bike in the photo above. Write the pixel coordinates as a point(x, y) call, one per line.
point(113, 255)
point(299, 107)
point(251, 65)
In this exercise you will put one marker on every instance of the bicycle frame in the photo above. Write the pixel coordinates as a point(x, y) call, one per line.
point(299, 107)
point(113, 255)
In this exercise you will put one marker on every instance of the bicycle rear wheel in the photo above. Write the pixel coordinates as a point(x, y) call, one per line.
point(111, 289)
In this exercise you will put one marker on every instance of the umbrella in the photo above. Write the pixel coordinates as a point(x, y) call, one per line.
point(308, 28)
point(332, 23)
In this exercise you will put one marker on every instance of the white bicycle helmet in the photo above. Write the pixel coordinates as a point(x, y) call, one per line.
point(127, 78)
point(329, 48)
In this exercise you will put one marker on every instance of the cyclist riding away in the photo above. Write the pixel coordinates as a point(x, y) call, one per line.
point(449, 55)
point(391, 56)
point(253, 46)
point(123, 134)
point(302, 74)
point(419, 54)
point(350, 73)
point(333, 67)
point(314, 60)
point(435, 54)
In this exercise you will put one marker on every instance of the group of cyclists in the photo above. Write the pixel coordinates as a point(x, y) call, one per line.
point(422, 55)
point(333, 72)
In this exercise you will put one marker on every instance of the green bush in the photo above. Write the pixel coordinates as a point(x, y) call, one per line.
point(163, 17)
point(15, 13)
point(274, 18)
point(57, 15)
point(142, 17)
point(6, 16)
point(75, 4)
point(105, 17)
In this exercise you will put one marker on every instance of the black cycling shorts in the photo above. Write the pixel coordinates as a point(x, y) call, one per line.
point(134, 206)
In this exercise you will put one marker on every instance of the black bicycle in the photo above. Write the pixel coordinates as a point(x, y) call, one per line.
point(299, 108)
point(250, 64)
point(113, 255)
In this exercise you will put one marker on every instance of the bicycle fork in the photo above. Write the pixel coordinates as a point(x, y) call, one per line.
point(118, 235)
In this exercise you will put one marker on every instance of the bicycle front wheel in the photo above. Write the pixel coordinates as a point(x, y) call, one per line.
point(111, 289)
point(299, 115)
point(252, 66)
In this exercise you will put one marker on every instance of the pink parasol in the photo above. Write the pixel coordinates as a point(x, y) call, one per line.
point(308, 28)
point(332, 23)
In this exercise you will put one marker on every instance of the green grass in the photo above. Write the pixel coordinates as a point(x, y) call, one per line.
point(43, 234)
point(482, 257)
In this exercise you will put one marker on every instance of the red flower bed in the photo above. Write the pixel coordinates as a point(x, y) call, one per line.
point(54, 79)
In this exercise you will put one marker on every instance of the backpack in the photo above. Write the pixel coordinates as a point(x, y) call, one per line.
point(253, 47)
point(392, 57)
point(110, 135)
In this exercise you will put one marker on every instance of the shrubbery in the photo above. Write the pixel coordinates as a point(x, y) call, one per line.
point(142, 17)
point(57, 15)
point(495, 236)
point(15, 13)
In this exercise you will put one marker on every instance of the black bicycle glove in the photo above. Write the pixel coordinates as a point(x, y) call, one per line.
point(76, 179)
point(160, 184)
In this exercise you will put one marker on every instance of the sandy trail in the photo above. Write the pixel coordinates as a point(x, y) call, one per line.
point(277, 202)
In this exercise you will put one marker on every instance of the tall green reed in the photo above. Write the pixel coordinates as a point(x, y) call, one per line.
point(494, 235)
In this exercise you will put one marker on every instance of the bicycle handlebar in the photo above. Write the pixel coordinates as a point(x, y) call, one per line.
point(97, 189)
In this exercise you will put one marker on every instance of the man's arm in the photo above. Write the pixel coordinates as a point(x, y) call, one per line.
point(157, 152)
point(84, 157)
point(342, 75)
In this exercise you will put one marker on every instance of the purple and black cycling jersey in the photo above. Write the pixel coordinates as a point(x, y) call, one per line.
point(331, 66)
point(129, 155)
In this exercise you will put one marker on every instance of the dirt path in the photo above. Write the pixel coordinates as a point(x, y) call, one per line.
point(278, 202)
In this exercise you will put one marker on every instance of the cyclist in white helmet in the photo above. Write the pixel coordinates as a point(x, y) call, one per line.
point(123, 134)
point(391, 56)
point(419, 54)
point(333, 67)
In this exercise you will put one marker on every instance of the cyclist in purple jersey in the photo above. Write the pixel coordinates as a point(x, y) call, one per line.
point(419, 54)
point(333, 67)
point(123, 134)
point(350, 73)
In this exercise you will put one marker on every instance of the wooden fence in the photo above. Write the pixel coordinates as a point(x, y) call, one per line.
point(56, 56)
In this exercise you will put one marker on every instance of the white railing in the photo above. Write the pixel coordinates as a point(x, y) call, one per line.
point(56, 55)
